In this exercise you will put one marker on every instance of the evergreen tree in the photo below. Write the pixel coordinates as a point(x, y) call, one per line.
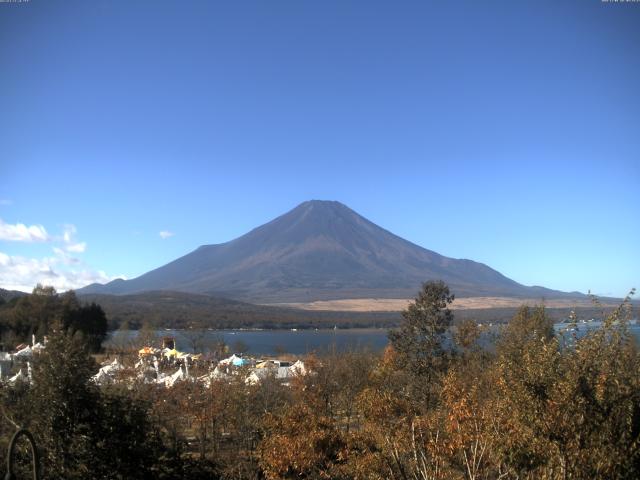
point(84, 432)
point(35, 313)
point(65, 403)
point(419, 341)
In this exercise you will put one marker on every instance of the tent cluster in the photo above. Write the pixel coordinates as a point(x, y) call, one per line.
point(276, 370)
point(20, 358)
point(108, 373)
point(167, 367)
point(169, 354)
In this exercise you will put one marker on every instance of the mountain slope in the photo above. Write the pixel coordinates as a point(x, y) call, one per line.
point(319, 250)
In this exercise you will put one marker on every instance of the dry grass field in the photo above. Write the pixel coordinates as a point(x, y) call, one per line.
point(398, 304)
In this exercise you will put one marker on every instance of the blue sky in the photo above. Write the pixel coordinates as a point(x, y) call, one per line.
point(505, 132)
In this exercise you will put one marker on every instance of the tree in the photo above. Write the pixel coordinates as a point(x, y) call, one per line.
point(571, 411)
point(147, 336)
point(34, 314)
point(468, 419)
point(121, 341)
point(85, 432)
point(239, 346)
point(419, 341)
point(196, 338)
point(300, 444)
point(127, 444)
point(467, 335)
point(64, 406)
point(90, 320)
point(527, 324)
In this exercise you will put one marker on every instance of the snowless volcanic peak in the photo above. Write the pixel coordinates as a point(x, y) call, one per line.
point(320, 250)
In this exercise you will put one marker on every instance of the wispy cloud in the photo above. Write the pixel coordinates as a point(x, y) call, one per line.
point(70, 243)
point(77, 247)
point(166, 234)
point(68, 233)
point(20, 273)
point(65, 257)
point(20, 232)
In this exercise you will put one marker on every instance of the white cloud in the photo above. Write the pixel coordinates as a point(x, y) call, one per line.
point(64, 257)
point(69, 232)
point(77, 247)
point(19, 273)
point(22, 233)
point(62, 270)
point(37, 233)
point(68, 238)
point(166, 234)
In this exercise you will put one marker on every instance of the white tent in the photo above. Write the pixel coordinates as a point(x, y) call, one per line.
point(147, 375)
point(216, 374)
point(173, 379)
point(18, 377)
point(102, 378)
point(107, 373)
point(232, 360)
point(283, 372)
point(279, 373)
point(258, 375)
point(208, 378)
point(112, 367)
point(298, 368)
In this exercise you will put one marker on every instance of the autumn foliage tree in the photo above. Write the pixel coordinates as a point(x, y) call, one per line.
point(569, 411)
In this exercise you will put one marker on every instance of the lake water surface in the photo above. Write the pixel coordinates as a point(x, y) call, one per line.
point(300, 342)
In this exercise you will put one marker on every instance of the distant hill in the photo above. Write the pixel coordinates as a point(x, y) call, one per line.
point(165, 309)
point(6, 295)
point(320, 250)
